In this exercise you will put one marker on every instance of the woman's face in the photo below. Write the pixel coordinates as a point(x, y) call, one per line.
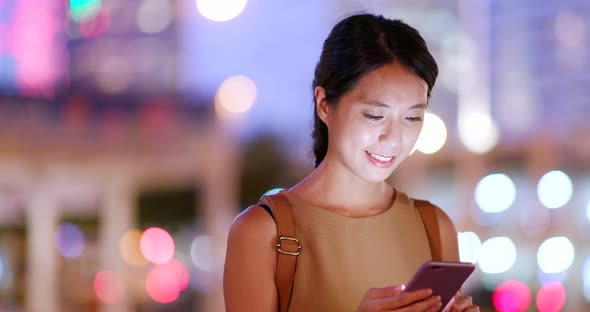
point(376, 124)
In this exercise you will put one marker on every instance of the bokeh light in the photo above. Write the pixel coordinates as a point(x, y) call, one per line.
point(221, 10)
point(586, 279)
point(98, 25)
point(551, 297)
point(235, 95)
point(495, 193)
point(512, 296)
point(498, 255)
point(588, 210)
point(157, 246)
point(154, 16)
point(433, 135)
point(82, 10)
point(179, 270)
point(478, 132)
point(109, 287)
point(469, 247)
point(554, 189)
point(69, 240)
point(129, 248)
point(201, 253)
point(555, 255)
point(162, 285)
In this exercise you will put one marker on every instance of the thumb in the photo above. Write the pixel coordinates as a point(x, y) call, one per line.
point(385, 291)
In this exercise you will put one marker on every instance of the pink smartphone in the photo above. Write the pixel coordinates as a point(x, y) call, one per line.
point(445, 278)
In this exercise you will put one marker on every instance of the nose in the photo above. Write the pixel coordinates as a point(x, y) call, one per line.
point(391, 134)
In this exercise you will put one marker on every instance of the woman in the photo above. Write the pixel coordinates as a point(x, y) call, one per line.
point(362, 238)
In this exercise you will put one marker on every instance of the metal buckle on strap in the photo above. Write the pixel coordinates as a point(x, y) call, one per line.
point(288, 252)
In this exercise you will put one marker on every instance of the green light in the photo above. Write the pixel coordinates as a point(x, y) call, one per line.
point(82, 10)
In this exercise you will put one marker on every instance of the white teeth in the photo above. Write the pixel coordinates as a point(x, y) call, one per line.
point(381, 158)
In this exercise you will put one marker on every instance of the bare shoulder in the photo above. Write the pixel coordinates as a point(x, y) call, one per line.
point(250, 262)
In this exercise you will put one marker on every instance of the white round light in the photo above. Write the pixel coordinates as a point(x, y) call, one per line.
point(588, 210)
point(153, 16)
point(478, 132)
point(498, 255)
point(554, 189)
point(555, 255)
point(495, 193)
point(469, 247)
point(220, 10)
point(433, 134)
point(202, 254)
point(235, 95)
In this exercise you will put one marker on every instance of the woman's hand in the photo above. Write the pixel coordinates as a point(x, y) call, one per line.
point(394, 299)
point(461, 303)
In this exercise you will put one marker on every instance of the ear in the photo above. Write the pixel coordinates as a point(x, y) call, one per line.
point(321, 104)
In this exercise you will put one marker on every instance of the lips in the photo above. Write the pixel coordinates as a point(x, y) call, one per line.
point(380, 161)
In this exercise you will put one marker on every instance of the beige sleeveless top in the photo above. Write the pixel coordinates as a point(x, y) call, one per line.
point(342, 257)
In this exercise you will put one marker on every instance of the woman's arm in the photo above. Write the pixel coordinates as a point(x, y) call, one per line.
point(250, 263)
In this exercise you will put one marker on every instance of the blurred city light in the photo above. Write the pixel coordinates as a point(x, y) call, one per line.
point(97, 25)
point(433, 135)
point(162, 285)
point(157, 246)
point(469, 247)
point(220, 10)
point(495, 193)
point(588, 210)
point(512, 296)
point(201, 253)
point(179, 270)
point(154, 16)
point(82, 10)
point(69, 240)
point(551, 297)
point(235, 95)
point(129, 248)
point(498, 255)
point(478, 132)
point(555, 254)
point(109, 286)
point(554, 189)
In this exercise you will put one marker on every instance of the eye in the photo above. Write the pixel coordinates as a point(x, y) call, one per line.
point(414, 119)
point(373, 117)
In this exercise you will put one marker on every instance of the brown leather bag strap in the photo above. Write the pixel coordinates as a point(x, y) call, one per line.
point(430, 219)
point(288, 247)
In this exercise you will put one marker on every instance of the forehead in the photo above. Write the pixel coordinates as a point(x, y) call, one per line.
point(391, 84)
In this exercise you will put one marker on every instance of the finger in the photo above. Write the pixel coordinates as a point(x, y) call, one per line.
point(432, 304)
point(407, 298)
point(385, 291)
point(472, 308)
point(395, 303)
point(462, 303)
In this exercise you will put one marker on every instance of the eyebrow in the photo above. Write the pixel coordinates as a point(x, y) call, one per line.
point(381, 104)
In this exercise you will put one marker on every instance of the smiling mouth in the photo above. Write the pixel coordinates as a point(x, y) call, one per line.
point(381, 157)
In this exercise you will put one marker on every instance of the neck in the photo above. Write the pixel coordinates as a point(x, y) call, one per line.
point(334, 187)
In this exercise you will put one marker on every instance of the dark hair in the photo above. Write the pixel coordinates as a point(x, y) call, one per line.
point(357, 45)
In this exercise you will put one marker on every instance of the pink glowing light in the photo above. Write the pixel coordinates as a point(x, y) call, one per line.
point(512, 296)
point(157, 246)
point(162, 285)
point(108, 287)
point(551, 297)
